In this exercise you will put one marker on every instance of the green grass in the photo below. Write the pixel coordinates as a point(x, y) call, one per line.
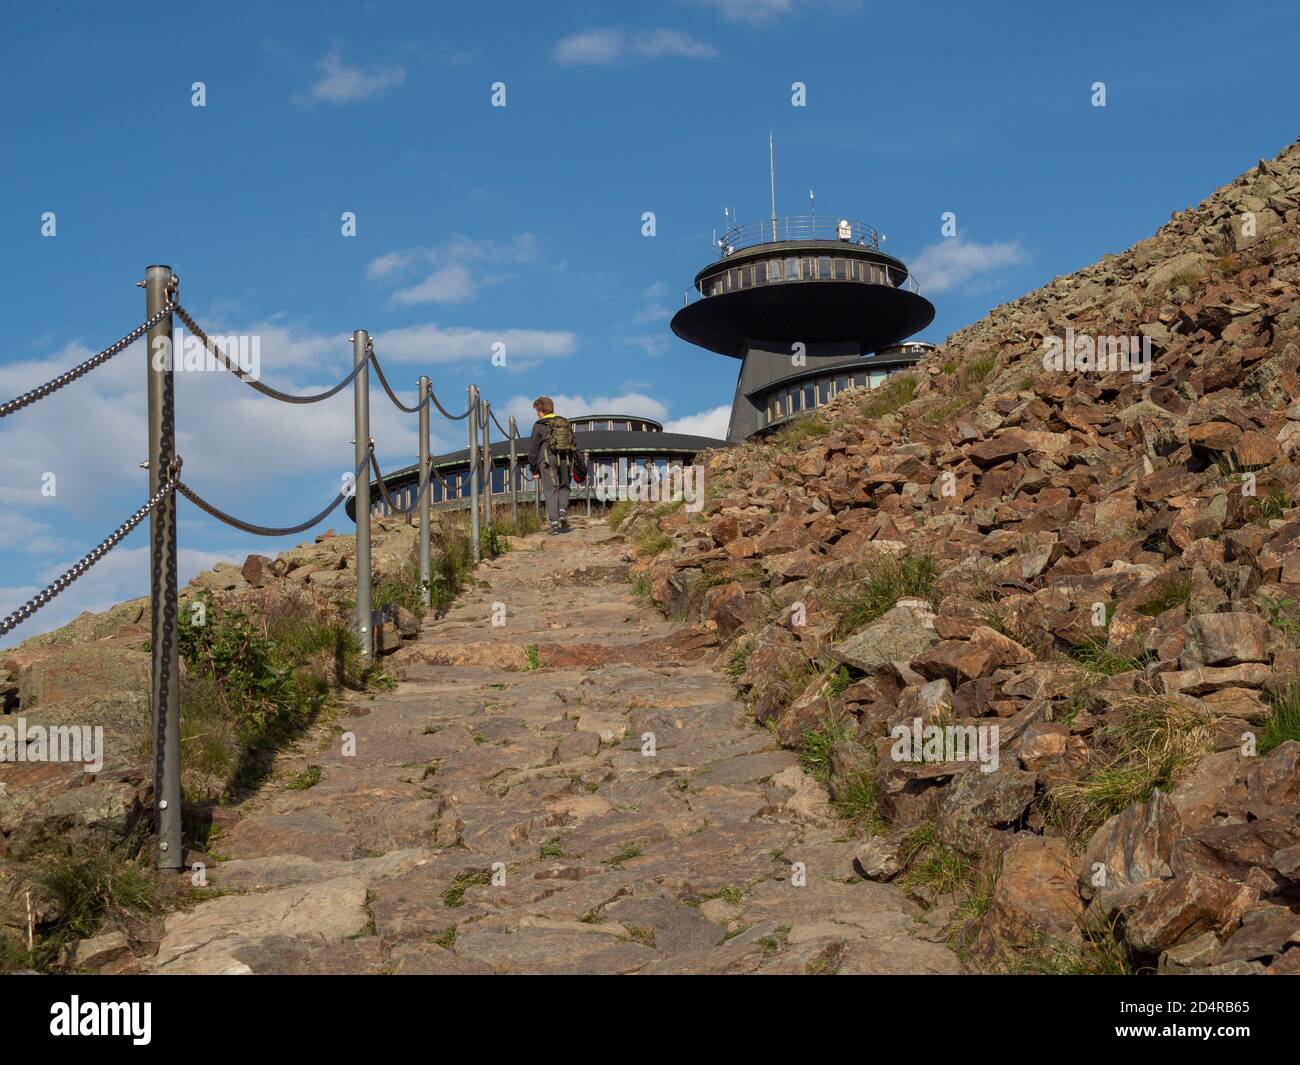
point(1284, 723)
point(816, 743)
point(1102, 953)
point(642, 588)
point(887, 398)
point(454, 895)
point(532, 658)
point(736, 660)
point(446, 938)
point(88, 889)
point(878, 585)
point(619, 513)
point(1175, 593)
point(625, 854)
point(837, 682)
point(856, 802)
point(653, 541)
point(1094, 656)
point(552, 849)
point(933, 865)
point(1151, 746)
point(308, 778)
point(1273, 504)
point(808, 427)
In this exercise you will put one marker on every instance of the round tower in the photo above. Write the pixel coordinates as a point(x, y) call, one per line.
point(810, 306)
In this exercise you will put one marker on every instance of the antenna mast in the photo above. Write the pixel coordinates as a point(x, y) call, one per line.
point(771, 174)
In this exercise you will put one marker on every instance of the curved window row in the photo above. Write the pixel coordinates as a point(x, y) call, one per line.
point(799, 268)
point(807, 395)
point(613, 471)
point(623, 424)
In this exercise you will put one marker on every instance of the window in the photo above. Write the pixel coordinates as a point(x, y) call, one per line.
point(760, 273)
point(809, 397)
point(841, 383)
point(792, 269)
point(807, 270)
point(824, 267)
point(774, 270)
point(733, 280)
point(878, 378)
point(841, 269)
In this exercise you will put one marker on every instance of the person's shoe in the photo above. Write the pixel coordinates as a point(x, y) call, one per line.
point(552, 527)
point(564, 521)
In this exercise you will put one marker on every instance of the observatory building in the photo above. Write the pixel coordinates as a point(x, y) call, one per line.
point(621, 449)
point(810, 306)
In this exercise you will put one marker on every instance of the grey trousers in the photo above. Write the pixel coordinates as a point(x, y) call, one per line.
point(555, 489)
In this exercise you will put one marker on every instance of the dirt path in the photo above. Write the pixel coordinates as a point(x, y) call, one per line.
point(500, 819)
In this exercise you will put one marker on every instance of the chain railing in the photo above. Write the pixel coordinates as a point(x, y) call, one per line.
point(162, 302)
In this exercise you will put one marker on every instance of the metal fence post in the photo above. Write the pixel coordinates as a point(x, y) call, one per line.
point(472, 423)
point(514, 472)
point(487, 459)
point(426, 589)
point(164, 638)
point(587, 459)
point(361, 412)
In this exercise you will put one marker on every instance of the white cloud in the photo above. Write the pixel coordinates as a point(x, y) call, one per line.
point(956, 263)
point(653, 308)
point(573, 405)
point(590, 46)
point(754, 12)
point(670, 44)
point(433, 343)
point(459, 267)
point(711, 423)
point(600, 47)
point(765, 12)
point(340, 83)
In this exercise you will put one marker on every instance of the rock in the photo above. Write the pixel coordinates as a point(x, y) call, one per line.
point(1129, 855)
point(1226, 640)
point(877, 646)
point(876, 858)
point(1034, 902)
point(1183, 908)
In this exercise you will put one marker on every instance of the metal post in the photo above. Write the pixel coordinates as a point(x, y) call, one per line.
point(514, 472)
point(487, 458)
point(588, 484)
point(164, 639)
point(472, 423)
point(361, 413)
point(425, 493)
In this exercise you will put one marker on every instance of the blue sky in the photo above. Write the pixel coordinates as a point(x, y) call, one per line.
point(523, 223)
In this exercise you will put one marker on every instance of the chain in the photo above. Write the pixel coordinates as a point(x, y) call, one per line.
point(28, 398)
point(504, 431)
point(266, 390)
point(370, 350)
point(388, 499)
point(263, 530)
point(42, 598)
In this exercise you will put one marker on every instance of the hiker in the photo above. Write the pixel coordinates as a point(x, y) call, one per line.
point(553, 455)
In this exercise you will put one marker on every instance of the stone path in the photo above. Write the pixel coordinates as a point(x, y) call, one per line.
point(499, 819)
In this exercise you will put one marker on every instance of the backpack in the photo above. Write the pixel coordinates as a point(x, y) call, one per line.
point(560, 439)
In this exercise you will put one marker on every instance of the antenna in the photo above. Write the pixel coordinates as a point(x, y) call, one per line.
point(771, 173)
point(812, 203)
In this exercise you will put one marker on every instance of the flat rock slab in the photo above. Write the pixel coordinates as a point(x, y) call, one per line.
point(614, 811)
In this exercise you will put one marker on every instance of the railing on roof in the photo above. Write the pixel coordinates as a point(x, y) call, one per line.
point(798, 227)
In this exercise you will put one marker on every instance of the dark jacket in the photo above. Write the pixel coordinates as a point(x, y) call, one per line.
point(538, 439)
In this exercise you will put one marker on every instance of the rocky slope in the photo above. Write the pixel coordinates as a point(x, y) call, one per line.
point(1102, 563)
point(95, 672)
